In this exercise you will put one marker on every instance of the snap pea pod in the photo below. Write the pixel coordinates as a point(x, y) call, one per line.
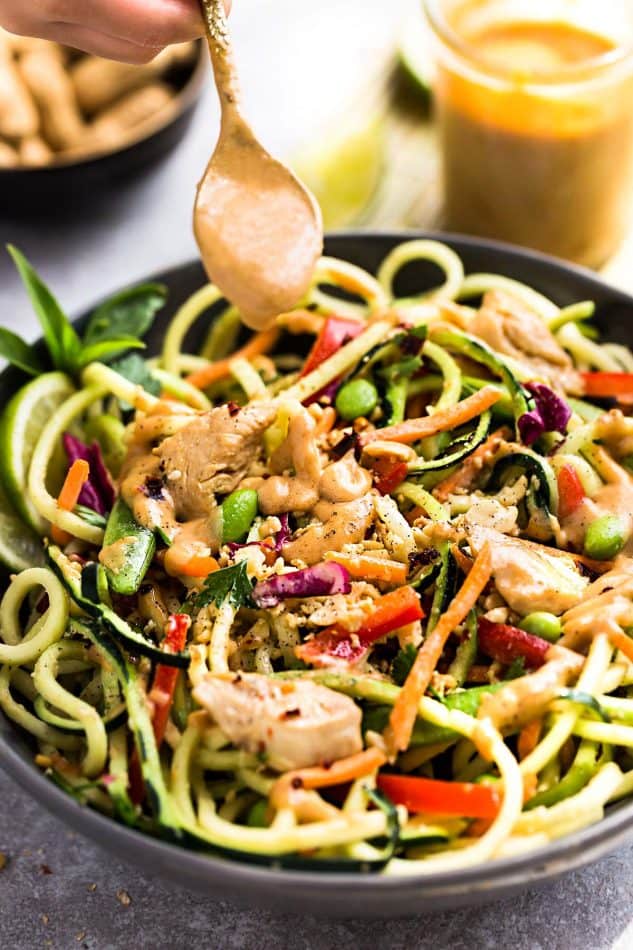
point(137, 546)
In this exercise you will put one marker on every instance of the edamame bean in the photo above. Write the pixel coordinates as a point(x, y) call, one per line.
point(606, 536)
point(357, 398)
point(258, 815)
point(239, 510)
point(542, 624)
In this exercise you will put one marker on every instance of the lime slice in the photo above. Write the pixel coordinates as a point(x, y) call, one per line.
point(345, 175)
point(21, 425)
point(19, 546)
point(416, 57)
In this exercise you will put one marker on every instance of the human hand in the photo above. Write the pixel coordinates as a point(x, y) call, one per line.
point(132, 31)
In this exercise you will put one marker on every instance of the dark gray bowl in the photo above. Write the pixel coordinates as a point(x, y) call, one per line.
point(353, 895)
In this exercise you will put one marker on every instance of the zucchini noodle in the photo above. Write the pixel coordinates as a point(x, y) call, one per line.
point(352, 279)
point(17, 649)
point(304, 607)
point(475, 285)
point(184, 319)
point(431, 251)
point(43, 501)
point(45, 681)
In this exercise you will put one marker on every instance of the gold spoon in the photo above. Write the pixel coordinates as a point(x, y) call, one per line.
point(258, 228)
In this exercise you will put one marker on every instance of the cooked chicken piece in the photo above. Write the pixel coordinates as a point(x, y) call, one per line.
point(212, 454)
point(294, 724)
point(339, 524)
point(528, 697)
point(607, 606)
point(509, 326)
point(527, 577)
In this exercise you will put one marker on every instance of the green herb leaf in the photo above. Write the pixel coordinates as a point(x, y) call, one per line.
point(229, 584)
point(63, 343)
point(134, 368)
point(401, 370)
point(516, 669)
point(127, 314)
point(403, 661)
point(106, 350)
point(16, 351)
point(90, 516)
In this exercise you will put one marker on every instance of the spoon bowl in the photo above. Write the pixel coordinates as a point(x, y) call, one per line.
point(259, 229)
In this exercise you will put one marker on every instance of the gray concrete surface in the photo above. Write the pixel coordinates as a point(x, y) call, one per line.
point(58, 890)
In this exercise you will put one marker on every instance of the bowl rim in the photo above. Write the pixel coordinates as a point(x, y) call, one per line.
point(233, 877)
point(183, 100)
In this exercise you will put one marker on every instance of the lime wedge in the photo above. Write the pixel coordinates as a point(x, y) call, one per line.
point(19, 546)
point(21, 425)
point(345, 174)
point(416, 57)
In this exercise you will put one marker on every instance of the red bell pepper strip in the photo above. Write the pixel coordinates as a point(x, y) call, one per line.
point(432, 796)
point(570, 491)
point(165, 678)
point(337, 645)
point(608, 384)
point(161, 695)
point(505, 643)
point(388, 475)
point(334, 334)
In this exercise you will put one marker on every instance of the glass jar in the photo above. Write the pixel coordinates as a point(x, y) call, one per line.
point(535, 106)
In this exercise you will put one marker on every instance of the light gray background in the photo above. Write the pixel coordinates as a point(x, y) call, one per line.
point(58, 890)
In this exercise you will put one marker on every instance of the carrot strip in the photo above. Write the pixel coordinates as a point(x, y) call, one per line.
point(197, 567)
point(258, 344)
point(529, 737)
point(371, 568)
point(404, 712)
point(77, 476)
point(623, 643)
point(464, 562)
point(463, 476)
point(412, 430)
point(341, 771)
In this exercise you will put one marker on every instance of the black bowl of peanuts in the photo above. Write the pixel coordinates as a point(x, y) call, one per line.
point(71, 123)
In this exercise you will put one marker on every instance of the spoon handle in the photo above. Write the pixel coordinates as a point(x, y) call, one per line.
point(221, 51)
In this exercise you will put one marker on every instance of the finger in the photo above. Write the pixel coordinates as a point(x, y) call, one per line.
point(153, 23)
point(99, 44)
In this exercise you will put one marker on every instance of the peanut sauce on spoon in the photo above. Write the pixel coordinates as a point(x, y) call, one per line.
point(258, 228)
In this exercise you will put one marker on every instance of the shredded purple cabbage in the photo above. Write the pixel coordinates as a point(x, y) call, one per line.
point(321, 580)
point(283, 534)
point(98, 492)
point(552, 414)
point(328, 392)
